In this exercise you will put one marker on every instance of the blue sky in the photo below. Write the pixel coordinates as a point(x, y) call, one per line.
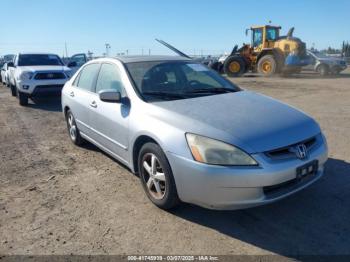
point(194, 26)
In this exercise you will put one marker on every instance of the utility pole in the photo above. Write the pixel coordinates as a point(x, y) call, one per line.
point(65, 45)
point(108, 46)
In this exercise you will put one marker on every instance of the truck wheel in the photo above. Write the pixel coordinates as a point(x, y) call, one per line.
point(267, 65)
point(235, 66)
point(322, 70)
point(13, 90)
point(22, 98)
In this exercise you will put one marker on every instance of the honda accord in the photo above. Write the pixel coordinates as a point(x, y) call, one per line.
point(192, 135)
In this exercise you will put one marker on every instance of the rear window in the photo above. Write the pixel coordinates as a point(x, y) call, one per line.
point(38, 60)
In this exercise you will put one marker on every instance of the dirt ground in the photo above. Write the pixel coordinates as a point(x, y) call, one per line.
point(56, 198)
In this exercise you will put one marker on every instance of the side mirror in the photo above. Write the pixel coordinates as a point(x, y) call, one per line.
point(110, 96)
point(72, 64)
point(10, 64)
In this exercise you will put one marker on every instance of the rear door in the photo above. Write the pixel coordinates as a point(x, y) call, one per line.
point(110, 121)
point(81, 95)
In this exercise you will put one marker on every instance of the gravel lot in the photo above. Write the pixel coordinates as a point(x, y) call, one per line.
point(56, 198)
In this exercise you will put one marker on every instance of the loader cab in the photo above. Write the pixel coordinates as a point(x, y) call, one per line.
point(264, 36)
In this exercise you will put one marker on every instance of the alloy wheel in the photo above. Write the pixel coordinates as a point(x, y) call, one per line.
point(72, 127)
point(153, 176)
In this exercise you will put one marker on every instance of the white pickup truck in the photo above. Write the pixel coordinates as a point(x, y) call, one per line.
point(33, 74)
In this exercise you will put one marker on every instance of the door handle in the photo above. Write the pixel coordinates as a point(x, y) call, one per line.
point(71, 94)
point(93, 104)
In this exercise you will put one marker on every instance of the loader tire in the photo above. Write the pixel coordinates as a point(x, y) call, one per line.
point(267, 65)
point(235, 66)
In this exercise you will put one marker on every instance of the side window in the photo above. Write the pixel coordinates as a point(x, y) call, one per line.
point(257, 37)
point(109, 78)
point(271, 34)
point(87, 77)
point(76, 80)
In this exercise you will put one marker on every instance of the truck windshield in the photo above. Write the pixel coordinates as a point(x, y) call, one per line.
point(271, 34)
point(38, 60)
point(176, 80)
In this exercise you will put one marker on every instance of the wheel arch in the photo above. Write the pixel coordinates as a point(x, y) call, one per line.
point(322, 64)
point(136, 147)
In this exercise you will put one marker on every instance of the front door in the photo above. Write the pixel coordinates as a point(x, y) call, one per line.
point(110, 121)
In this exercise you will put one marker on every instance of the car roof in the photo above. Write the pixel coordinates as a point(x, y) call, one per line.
point(152, 58)
point(36, 53)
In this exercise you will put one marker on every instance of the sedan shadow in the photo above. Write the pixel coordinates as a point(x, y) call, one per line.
point(52, 104)
point(315, 221)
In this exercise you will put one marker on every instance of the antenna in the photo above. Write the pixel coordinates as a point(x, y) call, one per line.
point(173, 48)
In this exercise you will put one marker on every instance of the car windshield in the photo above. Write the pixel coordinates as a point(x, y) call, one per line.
point(177, 80)
point(39, 60)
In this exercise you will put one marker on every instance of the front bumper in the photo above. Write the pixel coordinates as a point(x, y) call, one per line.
point(223, 187)
point(41, 87)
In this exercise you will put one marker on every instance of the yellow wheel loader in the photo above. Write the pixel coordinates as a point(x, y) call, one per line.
point(268, 54)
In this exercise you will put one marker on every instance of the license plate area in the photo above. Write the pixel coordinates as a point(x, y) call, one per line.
point(307, 170)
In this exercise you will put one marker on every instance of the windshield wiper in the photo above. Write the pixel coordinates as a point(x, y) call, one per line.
point(216, 90)
point(164, 94)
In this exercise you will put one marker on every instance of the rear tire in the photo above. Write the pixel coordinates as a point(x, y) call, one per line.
point(235, 66)
point(73, 130)
point(22, 98)
point(156, 177)
point(322, 70)
point(267, 65)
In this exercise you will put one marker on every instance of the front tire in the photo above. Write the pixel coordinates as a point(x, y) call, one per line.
point(323, 70)
point(235, 66)
point(22, 98)
point(13, 90)
point(73, 130)
point(156, 177)
point(267, 65)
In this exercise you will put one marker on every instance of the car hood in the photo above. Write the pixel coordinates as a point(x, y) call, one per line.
point(253, 122)
point(331, 60)
point(44, 68)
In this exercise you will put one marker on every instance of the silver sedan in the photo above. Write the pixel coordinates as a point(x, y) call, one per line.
point(190, 134)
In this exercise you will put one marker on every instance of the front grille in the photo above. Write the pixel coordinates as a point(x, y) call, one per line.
point(49, 76)
point(285, 152)
point(47, 90)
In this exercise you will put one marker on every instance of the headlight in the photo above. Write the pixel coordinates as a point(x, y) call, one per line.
point(26, 75)
point(214, 152)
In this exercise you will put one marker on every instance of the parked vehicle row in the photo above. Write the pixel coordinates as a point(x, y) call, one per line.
point(33, 74)
point(189, 133)
point(4, 74)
